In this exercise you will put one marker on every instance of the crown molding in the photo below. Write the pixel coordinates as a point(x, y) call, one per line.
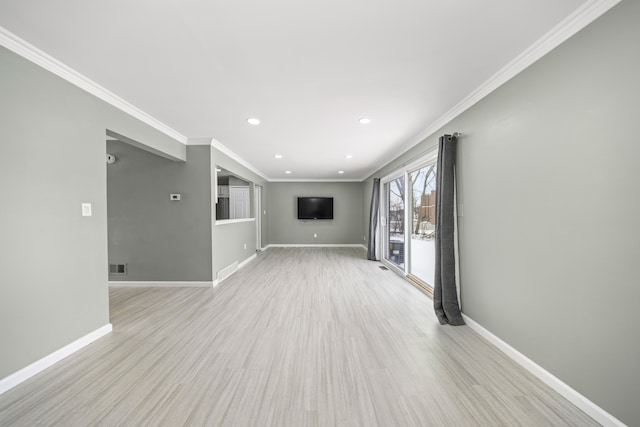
point(316, 180)
point(313, 245)
point(49, 63)
point(579, 19)
point(199, 141)
point(225, 150)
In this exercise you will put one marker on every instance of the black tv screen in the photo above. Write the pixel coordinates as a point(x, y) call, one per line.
point(315, 207)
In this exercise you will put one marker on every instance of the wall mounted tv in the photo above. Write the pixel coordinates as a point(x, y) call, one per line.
point(315, 207)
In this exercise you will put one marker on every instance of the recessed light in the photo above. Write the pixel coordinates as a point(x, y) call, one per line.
point(340, 171)
point(364, 120)
point(278, 156)
point(287, 172)
point(218, 170)
point(348, 156)
point(253, 121)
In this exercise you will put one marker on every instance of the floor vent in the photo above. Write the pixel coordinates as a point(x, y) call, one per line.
point(227, 271)
point(382, 267)
point(118, 269)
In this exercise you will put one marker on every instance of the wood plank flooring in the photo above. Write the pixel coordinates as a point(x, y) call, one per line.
point(299, 337)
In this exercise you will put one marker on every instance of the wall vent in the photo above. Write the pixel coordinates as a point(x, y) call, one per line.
point(227, 271)
point(118, 269)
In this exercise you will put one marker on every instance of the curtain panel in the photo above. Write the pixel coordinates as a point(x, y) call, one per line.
point(445, 295)
point(372, 247)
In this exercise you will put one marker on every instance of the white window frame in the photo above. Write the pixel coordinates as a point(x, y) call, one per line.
point(427, 158)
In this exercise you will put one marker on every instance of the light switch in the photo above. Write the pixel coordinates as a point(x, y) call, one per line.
point(86, 209)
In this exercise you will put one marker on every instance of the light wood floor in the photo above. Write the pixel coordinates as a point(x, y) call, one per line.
point(299, 337)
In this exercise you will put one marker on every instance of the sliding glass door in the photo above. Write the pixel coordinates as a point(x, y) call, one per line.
point(408, 221)
point(394, 227)
point(422, 220)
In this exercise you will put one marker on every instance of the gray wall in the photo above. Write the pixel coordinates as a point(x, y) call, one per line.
point(228, 240)
point(549, 240)
point(235, 181)
point(159, 239)
point(53, 284)
point(345, 228)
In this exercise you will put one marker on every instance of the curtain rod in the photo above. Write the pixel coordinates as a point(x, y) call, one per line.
point(429, 150)
point(456, 134)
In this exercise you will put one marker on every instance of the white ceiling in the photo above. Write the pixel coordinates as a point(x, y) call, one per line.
point(307, 69)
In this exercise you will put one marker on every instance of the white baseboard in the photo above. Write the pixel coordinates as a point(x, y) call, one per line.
point(587, 406)
point(143, 284)
point(240, 265)
point(38, 366)
point(247, 261)
point(309, 245)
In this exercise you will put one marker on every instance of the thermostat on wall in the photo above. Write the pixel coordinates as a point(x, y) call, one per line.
point(175, 197)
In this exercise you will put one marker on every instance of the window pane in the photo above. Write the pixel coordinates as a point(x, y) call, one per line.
point(395, 191)
point(423, 223)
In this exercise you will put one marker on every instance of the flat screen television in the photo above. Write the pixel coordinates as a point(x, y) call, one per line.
point(315, 207)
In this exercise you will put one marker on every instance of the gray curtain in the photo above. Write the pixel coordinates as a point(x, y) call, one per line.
point(445, 296)
point(373, 220)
